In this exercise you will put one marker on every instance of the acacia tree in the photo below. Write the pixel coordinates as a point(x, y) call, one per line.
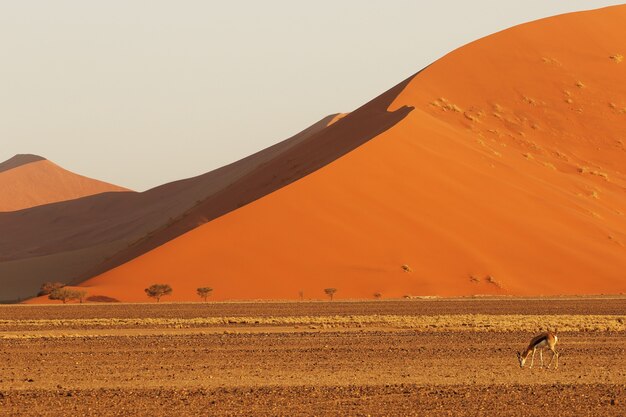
point(64, 294)
point(377, 295)
point(330, 292)
point(158, 290)
point(204, 292)
point(80, 295)
point(47, 287)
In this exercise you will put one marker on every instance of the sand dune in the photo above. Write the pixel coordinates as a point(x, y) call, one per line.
point(74, 240)
point(30, 180)
point(506, 177)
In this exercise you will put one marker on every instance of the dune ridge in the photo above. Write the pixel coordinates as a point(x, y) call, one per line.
point(19, 160)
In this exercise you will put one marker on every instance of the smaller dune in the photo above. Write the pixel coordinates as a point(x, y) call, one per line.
point(30, 180)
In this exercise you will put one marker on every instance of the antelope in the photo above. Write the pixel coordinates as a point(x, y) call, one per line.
point(542, 341)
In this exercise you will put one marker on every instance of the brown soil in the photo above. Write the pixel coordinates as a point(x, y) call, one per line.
point(288, 369)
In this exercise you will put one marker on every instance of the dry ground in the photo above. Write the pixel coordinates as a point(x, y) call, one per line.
point(418, 357)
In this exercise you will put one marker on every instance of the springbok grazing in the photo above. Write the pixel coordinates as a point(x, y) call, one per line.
point(542, 341)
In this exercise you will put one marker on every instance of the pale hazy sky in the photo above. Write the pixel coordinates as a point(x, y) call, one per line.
point(142, 92)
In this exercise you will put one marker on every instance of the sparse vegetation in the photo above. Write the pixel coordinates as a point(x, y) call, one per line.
point(549, 165)
point(204, 292)
point(617, 58)
point(551, 61)
point(446, 322)
point(491, 280)
point(445, 105)
point(48, 287)
point(157, 291)
point(330, 292)
point(470, 116)
point(301, 295)
point(378, 295)
point(591, 171)
point(406, 268)
point(80, 295)
point(65, 294)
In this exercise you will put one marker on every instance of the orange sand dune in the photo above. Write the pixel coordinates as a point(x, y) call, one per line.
point(74, 240)
point(30, 180)
point(507, 177)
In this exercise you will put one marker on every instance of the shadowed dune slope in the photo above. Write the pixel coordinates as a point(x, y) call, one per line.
point(72, 241)
point(64, 241)
point(30, 180)
point(506, 178)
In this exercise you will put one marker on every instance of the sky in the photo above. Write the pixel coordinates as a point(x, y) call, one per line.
point(143, 92)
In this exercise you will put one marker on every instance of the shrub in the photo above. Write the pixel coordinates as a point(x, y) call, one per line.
point(204, 292)
point(48, 287)
point(80, 295)
point(330, 292)
point(64, 294)
point(158, 290)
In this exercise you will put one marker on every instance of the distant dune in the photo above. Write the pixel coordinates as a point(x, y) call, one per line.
point(74, 240)
point(30, 180)
point(499, 169)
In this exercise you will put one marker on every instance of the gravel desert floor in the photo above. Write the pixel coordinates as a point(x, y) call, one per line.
point(387, 358)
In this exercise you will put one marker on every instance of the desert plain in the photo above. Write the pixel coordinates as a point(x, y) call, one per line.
point(385, 357)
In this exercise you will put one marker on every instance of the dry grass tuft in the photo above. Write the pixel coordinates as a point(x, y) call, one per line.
point(445, 105)
point(461, 322)
point(470, 116)
point(617, 58)
point(591, 171)
point(551, 61)
point(491, 280)
point(549, 165)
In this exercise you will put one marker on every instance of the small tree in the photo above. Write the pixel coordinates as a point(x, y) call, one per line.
point(48, 287)
point(80, 295)
point(204, 292)
point(301, 295)
point(330, 292)
point(377, 295)
point(63, 294)
point(158, 290)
